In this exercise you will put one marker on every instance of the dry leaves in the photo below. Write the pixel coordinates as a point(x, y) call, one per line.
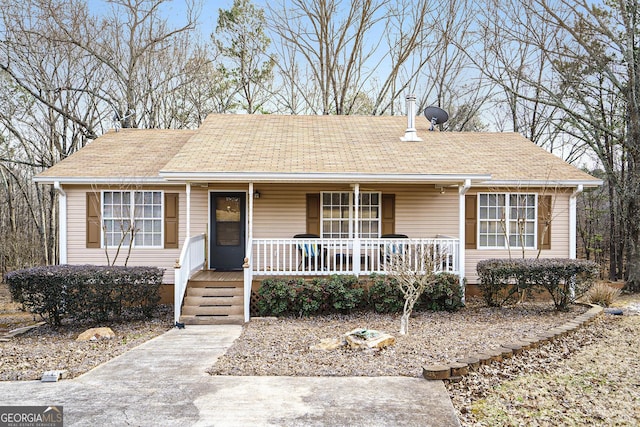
point(283, 346)
point(591, 377)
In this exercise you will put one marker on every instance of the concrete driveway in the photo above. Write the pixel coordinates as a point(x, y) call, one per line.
point(163, 383)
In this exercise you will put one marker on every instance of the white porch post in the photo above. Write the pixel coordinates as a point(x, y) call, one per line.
point(573, 222)
point(462, 191)
point(188, 223)
point(356, 230)
point(248, 273)
point(250, 215)
point(62, 223)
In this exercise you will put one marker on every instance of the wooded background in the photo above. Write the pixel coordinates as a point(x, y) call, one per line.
point(563, 73)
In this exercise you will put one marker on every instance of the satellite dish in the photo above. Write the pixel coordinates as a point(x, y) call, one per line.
point(436, 116)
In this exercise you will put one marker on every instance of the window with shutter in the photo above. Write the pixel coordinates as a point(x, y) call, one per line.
point(470, 221)
point(544, 222)
point(94, 225)
point(171, 236)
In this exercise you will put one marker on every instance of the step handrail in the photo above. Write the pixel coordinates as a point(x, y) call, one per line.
point(192, 259)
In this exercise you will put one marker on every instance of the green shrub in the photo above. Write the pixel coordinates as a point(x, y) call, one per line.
point(281, 297)
point(501, 280)
point(385, 296)
point(276, 296)
point(86, 291)
point(446, 294)
point(344, 293)
point(497, 283)
point(310, 298)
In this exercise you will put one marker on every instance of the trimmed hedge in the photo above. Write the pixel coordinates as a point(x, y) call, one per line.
point(343, 294)
point(336, 294)
point(447, 294)
point(386, 297)
point(86, 291)
point(501, 280)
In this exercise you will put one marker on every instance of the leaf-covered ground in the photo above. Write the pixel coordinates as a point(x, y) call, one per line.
point(591, 378)
point(285, 346)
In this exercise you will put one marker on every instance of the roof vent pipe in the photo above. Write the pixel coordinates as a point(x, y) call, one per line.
point(410, 134)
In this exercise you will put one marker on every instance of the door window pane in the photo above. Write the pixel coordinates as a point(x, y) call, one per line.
point(228, 221)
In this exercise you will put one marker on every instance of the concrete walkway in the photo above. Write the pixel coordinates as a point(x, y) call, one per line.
point(163, 383)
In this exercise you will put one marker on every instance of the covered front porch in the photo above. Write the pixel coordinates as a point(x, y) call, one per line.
point(293, 231)
point(313, 256)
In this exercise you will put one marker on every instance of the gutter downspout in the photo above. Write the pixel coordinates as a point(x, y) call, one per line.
point(573, 221)
point(62, 222)
point(573, 225)
point(462, 191)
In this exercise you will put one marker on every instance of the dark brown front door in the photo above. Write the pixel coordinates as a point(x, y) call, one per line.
point(227, 231)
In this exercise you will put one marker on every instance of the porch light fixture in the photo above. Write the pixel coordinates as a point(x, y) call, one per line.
point(256, 194)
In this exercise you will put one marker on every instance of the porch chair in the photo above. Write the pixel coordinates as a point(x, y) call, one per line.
point(310, 251)
point(389, 249)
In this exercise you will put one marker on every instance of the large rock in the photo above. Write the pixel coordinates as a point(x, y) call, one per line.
point(329, 344)
point(95, 334)
point(368, 338)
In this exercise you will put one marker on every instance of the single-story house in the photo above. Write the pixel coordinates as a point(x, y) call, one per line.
point(246, 197)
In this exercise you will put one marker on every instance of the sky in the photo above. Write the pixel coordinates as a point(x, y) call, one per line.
point(175, 11)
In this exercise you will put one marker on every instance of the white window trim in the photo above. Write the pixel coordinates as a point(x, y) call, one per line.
point(507, 221)
point(351, 212)
point(132, 211)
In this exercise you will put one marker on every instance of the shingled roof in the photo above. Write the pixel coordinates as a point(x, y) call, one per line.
point(315, 148)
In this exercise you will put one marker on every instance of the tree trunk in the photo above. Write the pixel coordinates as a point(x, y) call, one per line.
point(404, 323)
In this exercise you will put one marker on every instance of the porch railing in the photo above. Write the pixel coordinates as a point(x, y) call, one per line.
point(351, 256)
point(192, 259)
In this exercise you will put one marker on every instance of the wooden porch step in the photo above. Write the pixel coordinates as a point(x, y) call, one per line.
point(213, 310)
point(216, 284)
point(214, 298)
point(206, 300)
point(212, 320)
point(214, 292)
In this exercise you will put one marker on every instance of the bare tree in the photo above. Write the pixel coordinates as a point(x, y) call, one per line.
point(330, 37)
point(569, 67)
point(414, 267)
point(63, 74)
point(127, 44)
point(241, 40)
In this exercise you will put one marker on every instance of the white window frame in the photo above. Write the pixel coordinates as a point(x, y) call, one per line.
point(505, 232)
point(351, 210)
point(132, 217)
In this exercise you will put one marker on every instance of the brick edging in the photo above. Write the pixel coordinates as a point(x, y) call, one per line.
point(455, 370)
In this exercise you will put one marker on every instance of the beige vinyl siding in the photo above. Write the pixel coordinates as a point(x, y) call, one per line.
point(421, 211)
point(280, 212)
point(78, 253)
point(559, 236)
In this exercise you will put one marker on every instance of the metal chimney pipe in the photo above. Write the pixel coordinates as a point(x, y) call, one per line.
point(410, 134)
